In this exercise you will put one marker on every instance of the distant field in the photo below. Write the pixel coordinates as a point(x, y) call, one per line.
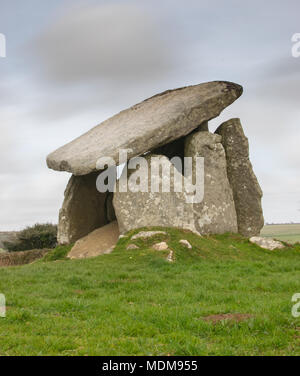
point(288, 233)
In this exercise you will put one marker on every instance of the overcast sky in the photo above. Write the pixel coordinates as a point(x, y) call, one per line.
point(71, 64)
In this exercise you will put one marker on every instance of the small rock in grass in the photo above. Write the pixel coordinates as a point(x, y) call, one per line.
point(147, 234)
point(132, 246)
point(160, 246)
point(186, 243)
point(266, 243)
point(170, 257)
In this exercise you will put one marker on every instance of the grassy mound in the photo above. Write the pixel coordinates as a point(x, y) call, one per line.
point(58, 253)
point(225, 296)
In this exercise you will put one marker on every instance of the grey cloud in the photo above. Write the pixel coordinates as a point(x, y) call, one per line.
point(25, 200)
point(99, 57)
point(283, 67)
point(90, 61)
point(277, 81)
point(9, 143)
point(105, 42)
point(81, 100)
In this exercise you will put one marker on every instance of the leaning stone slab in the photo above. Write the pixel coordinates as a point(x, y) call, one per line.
point(152, 207)
point(148, 125)
point(215, 214)
point(266, 243)
point(84, 209)
point(98, 242)
point(247, 193)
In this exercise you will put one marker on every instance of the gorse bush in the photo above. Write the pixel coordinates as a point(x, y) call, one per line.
point(35, 237)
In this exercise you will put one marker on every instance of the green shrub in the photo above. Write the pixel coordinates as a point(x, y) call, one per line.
point(35, 237)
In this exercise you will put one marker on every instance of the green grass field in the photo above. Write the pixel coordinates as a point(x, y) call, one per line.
point(288, 233)
point(137, 303)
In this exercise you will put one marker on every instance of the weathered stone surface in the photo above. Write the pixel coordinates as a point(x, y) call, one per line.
point(247, 193)
point(216, 213)
point(143, 209)
point(162, 246)
point(84, 209)
point(186, 243)
point(171, 257)
point(150, 124)
point(98, 242)
point(203, 127)
point(266, 243)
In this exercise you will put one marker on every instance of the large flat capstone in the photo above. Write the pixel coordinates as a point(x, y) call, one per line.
point(148, 125)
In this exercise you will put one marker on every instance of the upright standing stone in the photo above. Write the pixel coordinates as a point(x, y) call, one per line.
point(246, 190)
point(149, 208)
point(216, 213)
point(84, 209)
